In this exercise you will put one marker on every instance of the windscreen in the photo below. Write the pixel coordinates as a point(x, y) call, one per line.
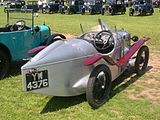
point(98, 25)
point(15, 15)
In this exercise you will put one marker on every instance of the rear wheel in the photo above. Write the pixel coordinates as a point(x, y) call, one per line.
point(5, 10)
point(131, 11)
point(62, 10)
point(83, 11)
point(98, 87)
point(111, 11)
point(151, 11)
point(102, 11)
point(142, 60)
point(91, 12)
point(143, 12)
point(4, 64)
point(43, 11)
point(69, 12)
point(123, 10)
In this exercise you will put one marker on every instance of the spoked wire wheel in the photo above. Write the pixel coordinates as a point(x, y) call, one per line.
point(141, 62)
point(98, 87)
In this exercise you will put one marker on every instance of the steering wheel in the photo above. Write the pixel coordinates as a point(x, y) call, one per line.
point(103, 40)
point(19, 25)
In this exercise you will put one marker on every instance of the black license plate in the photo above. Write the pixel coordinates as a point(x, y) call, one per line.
point(37, 80)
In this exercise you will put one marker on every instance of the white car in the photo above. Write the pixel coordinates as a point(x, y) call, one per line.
point(87, 64)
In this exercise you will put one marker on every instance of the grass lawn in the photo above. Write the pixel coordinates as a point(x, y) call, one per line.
point(136, 98)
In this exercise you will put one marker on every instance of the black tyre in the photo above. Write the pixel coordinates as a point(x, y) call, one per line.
point(111, 11)
point(123, 10)
point(143, 12)
point(102, 11)
point(5, 10)
point(151, 11)
point(91, 12)
point(54, 37)
point(62, 11)
point(69, 12)
point(83, 11)
point(98, 87)
point(142, 60)
point(43, 11)
point(4, 64)
point(131, 12)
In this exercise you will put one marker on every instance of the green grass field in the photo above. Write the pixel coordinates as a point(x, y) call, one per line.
point(136, 98)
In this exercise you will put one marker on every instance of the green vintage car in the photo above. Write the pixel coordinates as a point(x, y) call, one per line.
point(17, 4)
point(76, 6)
point(16, 38)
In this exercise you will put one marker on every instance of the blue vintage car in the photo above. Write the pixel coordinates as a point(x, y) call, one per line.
point(95, 7)
point(17, 38)
point(32, 5)
point(113, 7)
point(76, 6)
point(16, 4)
point(141, 8)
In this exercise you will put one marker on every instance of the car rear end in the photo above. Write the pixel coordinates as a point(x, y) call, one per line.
point(58, 69)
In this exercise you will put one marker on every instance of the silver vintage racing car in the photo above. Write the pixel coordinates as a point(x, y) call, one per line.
point(87, 64)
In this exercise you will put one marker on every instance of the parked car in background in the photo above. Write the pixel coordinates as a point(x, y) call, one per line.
point(95, 7)
point(114, 7)
point(156, 4)
point(141, 8)
point(128, 3)
point(32, 5)
point(52, 7)
point(4, 2)
point(16, 38)
point(76, 6)
point(18, 4)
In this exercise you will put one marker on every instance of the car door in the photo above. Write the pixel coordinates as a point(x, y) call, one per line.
point(24, 41)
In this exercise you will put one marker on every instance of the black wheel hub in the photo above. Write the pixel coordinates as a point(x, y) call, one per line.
point(99, 87)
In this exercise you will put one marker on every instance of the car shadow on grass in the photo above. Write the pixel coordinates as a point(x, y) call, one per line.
point(58, 103)
point(120, 84)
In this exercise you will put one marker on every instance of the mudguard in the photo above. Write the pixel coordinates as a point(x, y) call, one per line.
point(123, 60)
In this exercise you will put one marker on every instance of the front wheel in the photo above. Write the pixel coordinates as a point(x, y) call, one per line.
point(98, 87)
point(142, 60)
point(4, 64)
